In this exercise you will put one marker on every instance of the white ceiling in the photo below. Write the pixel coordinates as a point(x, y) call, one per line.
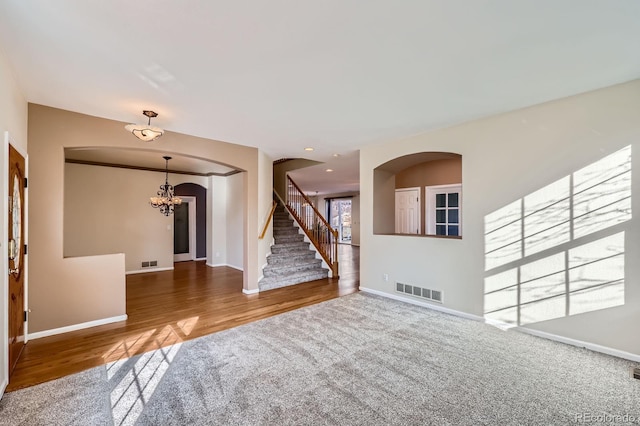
point(336, 75)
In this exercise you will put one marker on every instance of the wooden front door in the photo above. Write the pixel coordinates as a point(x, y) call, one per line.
point(16, 256)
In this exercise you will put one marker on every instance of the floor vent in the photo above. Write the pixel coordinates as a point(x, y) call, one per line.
point(425, 293)
point(635, 373)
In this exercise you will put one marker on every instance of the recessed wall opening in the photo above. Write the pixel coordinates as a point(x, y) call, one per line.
point(419, 194)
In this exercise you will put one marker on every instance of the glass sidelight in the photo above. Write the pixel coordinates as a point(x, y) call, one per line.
point(340, 218)
point(181, 229)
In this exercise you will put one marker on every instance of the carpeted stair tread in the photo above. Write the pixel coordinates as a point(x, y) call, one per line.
point(269, 283)
point(289, 238)
point(288, 257)
point(294, 244)
point(292, 268)
point(285, 230)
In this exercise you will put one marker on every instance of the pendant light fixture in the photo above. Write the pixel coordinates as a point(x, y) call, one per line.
point(146, 132)
point(166, 200)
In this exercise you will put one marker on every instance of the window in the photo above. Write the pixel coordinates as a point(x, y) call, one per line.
point(444, 210)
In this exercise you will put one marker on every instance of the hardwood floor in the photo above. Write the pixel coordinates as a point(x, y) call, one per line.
point(165, 308)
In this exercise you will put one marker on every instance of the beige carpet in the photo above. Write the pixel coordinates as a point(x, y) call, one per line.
point(357, 360)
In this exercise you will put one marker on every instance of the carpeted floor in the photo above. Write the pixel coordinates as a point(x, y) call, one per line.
point(356, 360)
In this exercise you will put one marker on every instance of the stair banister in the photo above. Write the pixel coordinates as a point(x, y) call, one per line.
point(315, 226)
point(268, 221)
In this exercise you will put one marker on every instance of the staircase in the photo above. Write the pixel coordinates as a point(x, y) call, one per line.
point(291, 261)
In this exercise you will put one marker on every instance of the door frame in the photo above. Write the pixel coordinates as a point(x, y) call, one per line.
point(185, 257)
point(4, 193)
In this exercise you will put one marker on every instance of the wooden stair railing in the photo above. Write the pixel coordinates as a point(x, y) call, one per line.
point(321, 234)
point(268, 221)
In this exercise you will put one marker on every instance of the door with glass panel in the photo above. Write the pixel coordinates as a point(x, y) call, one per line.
point(444, 210)
point(340, 218)
point(16, 253)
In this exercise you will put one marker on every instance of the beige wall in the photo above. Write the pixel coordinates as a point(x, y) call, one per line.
point(265, 202)
point(13, 119)
point(438, 172)
point(235, 213)
point(505, 158)
point(280, 171)
point(106, 210)
point(55, 281)
point(217, 221)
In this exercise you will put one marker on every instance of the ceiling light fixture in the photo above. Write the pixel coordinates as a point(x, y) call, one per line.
point(166, 200)
point(146, 132)
point(329, 170)
point(308, 149)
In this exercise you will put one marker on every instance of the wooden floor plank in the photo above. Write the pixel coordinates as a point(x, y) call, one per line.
point(168, 307)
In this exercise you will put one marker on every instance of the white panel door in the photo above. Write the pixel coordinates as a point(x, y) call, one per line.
point(408, 211)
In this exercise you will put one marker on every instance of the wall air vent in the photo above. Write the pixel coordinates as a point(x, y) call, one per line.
point(424, 293)
point(635, 373)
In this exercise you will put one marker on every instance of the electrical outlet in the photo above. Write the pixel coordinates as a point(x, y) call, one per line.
point(385, 277)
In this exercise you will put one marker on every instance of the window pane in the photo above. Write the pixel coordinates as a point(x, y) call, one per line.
point(453, 199)
point(453, 230)
point(453, 216)
point(441, 216)
point(441, 230)
point(441, 200)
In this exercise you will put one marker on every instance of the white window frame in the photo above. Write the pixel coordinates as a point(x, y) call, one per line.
point(430, 205)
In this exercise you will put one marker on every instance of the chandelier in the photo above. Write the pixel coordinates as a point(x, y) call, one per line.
point(145, 132)
point(166, 200)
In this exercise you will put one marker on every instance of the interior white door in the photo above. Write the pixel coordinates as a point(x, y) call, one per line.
point(184, 230)
point(408, 211)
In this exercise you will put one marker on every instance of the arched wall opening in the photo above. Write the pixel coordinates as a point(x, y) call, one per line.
point(68, 291)
point(423, 183)
point(200, 193)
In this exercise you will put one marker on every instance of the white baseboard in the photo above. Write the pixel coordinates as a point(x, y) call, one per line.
point(581, 344)
point(549, 336)
point(435, 307)
point(54, 331)
point(254, 291)
point(236, 268)
point(144, 271)
point(3, 387)
point(224, 264)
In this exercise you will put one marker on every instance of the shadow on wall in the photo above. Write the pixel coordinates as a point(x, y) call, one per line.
point(560, 251)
